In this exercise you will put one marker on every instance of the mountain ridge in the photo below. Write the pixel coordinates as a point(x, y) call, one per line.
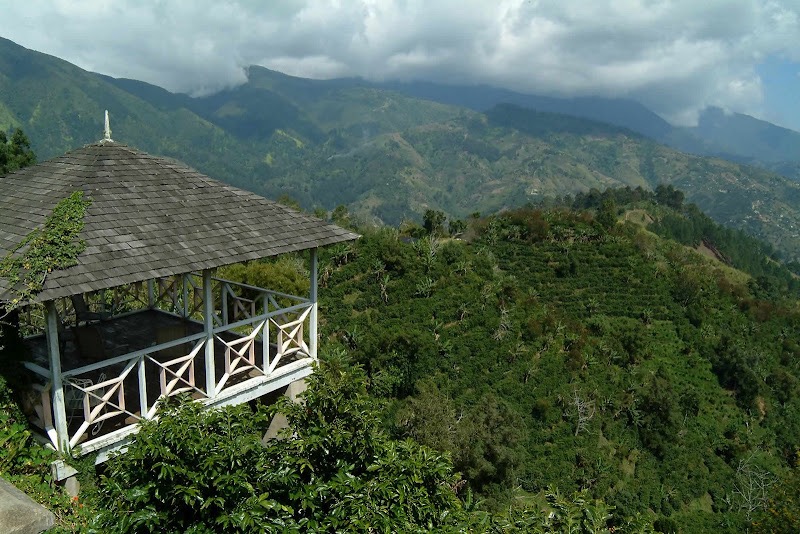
point(385, 154)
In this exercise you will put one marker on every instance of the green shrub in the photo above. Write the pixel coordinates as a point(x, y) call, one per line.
point(206, 470)
point(26, 464)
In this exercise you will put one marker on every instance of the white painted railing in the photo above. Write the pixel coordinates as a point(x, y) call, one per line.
point(280, 333)
point(118, 392)
point(118, 388)
point(259, 331)
point(104, 391)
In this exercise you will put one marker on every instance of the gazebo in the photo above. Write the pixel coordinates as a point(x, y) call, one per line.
point(142, 315)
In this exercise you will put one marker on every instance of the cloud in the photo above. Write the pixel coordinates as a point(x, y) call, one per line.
point(675, 56)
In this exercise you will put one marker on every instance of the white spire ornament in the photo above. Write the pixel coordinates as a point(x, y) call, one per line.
point(107, 131)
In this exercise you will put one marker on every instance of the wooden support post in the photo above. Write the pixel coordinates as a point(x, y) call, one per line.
point(208, 325)
point(312, 327)
point(151, 294)
point(185, 288)
point(57, 390)
point(265, 337)
point(224, 289)
point(143, 406)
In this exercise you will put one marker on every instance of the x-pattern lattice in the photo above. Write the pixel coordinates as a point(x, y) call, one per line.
point(132, 294)
point(179, 372)
point(97, 400)
point(240, 355)
point(167, 287)
point(195, 294)
point(243, 308)
point(290, 338)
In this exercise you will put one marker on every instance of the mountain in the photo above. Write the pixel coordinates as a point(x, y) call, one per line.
point(617, 111)
point(747, 137)
point(386, 154)
point(510, 155)
point(60, 107)
point(733, 136)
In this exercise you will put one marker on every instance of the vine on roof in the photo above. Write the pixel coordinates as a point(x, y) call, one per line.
point(52, 247)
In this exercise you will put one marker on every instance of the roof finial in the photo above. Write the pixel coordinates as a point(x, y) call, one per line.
point(107, 130)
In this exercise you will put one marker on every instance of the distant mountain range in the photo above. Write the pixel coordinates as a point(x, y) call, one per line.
point(733, 136)
point(391, 150)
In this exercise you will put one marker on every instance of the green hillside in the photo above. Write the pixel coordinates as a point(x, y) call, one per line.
point(576, 368)
point(733, 136)
point(510, 156)
point(60, 107)
point(546, 350)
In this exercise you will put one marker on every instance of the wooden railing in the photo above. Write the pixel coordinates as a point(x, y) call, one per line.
point(259, 315)
point(115, 389)
point(259, 331)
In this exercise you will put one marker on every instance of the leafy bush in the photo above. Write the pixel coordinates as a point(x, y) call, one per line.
point(334, 470)
point(26, 464)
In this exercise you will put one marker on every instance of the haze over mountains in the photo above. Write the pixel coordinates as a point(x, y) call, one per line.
point(391, 150)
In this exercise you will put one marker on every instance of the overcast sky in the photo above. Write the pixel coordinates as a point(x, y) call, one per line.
point(675, 56)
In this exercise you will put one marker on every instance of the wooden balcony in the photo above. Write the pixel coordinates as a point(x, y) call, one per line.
point(155, 340)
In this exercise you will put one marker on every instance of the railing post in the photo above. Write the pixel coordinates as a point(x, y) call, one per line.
point(151, 294)
point(174, 295)
point(185, 296)
point(312, 327)
point(265, 336)
point(224, 289)
point(59, 409)
point(143, 407)
point(208, 325)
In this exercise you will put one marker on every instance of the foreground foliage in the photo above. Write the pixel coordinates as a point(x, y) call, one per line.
point(334, 470)
point(26, 464)
point(197, 470)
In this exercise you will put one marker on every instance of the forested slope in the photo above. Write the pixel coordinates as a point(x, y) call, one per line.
point(548, 350)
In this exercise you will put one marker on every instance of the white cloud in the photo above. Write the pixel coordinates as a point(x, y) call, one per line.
point(676, 56)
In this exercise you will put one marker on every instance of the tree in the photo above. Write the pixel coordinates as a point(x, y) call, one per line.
point(782, 511)
point(15, 153)
point(430, 417)
point(433, 221)
point(669, 196)
point(607, 214)
point(456, 227)
point(584, 412)
point(340, 215)
point(487, 445)
point(752, 486)
point(578, 514)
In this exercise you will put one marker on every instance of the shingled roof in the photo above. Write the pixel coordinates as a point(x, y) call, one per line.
point(149, 217)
